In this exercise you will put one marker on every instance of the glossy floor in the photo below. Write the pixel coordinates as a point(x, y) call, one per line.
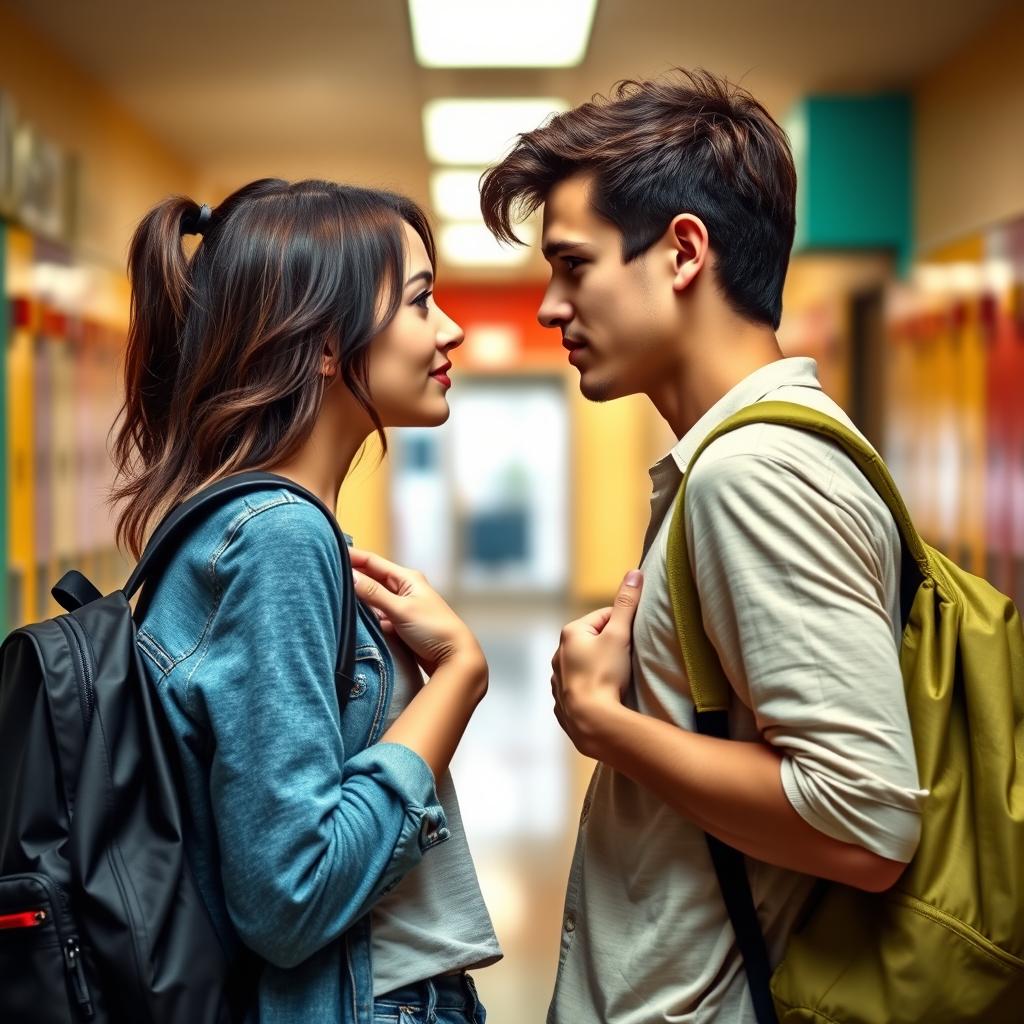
point(520, 786)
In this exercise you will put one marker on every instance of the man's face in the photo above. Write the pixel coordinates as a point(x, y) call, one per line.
point(617, 319)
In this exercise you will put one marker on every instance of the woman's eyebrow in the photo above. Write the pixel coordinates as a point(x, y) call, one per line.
point(424, 275)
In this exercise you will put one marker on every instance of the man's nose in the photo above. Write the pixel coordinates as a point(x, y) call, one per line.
point(553, 311)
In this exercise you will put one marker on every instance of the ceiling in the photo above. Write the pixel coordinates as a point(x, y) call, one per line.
point(320, 88)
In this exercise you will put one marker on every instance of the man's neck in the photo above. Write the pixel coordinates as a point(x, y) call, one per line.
point(710, 368)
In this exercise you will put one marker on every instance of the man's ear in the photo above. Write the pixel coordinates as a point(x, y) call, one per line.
point(689, 238)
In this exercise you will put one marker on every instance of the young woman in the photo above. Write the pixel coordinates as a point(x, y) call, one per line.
point(329, 843)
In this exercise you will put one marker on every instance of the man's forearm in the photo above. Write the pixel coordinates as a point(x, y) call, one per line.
point(733, 790)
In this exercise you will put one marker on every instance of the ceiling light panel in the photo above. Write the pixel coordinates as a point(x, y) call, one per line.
point(455, 192)
point(475, 132)
point(472, 245)
point(488, 34)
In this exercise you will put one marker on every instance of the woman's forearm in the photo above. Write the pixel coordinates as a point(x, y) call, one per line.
point(434, 721)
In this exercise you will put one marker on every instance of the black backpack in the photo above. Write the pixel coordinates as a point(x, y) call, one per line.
point(100, 916)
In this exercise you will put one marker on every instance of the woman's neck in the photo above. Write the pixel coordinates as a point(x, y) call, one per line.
point(323, 461)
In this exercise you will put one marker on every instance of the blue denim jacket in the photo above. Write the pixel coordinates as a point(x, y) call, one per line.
point(302, 820)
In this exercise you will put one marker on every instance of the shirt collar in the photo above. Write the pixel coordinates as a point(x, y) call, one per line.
point(798, 371)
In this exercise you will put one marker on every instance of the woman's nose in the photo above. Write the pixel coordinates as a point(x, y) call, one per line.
point(450, 336)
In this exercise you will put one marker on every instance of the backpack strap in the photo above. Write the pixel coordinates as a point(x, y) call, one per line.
point(73, 590)
point(173, 527)
point(710, 687)
point(708, 684)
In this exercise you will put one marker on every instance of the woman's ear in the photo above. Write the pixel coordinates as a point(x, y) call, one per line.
point(328, 365)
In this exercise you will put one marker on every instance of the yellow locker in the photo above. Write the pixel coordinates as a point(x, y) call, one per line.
point(961, 378)
point(62, 410)
point(85, 427)
point(20, 433)
point(940, 471)
point(42, 429)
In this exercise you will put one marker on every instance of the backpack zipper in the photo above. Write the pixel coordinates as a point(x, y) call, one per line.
point(88, 693)
point(83, 672)
point(69, 946)
point(85, 661)
point(73, 961)
point(23, 919)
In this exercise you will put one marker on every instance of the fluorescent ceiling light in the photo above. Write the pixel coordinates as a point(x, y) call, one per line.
point(472, 245)
point(455, 193)
point(481, 131)
point(488, 34)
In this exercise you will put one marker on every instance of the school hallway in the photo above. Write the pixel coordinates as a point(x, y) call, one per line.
point(525, 508)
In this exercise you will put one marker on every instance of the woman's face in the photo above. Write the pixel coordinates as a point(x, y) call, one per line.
point(408, 363)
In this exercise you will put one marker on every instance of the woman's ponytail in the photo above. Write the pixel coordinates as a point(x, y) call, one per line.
point(161, 293)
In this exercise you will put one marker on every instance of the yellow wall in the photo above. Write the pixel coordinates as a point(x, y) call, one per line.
point(613, 444)
point(969, 147)
point(364, 509)
point(123, 170)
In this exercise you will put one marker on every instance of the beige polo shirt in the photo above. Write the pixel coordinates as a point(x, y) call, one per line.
point(797, 565)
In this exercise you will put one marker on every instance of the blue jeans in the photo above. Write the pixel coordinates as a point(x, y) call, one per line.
point(447, 999)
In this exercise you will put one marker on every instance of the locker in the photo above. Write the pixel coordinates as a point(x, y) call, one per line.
point(997, 327)
point(62, 427)
point(969, 382)
point(21, 585)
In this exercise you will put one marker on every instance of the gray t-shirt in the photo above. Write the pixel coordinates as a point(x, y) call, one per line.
point(435, 920)
point(796, 561)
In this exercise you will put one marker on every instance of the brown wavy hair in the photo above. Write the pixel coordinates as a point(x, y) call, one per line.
point(223, 367)
point(690, 142)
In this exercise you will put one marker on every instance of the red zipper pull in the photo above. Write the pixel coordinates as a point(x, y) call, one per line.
point(25, 919)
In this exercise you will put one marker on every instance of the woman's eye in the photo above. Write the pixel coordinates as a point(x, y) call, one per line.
point(422, 299)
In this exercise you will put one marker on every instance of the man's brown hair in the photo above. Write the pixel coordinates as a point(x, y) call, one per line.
point(690, 142)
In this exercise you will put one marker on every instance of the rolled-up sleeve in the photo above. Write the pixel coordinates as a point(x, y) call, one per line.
point(793, 602)
point(308, 837)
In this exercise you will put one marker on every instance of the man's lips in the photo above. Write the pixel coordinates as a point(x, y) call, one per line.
point(575, 349)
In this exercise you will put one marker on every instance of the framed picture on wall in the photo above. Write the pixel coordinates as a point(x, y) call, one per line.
point(7, 122)
point(41, 184)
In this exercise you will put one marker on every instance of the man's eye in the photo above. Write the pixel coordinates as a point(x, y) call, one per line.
point(572, 262)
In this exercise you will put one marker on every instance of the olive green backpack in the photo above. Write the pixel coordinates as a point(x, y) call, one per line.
point(945, 945)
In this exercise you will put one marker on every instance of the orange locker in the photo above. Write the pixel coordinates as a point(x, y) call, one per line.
point(970, 390)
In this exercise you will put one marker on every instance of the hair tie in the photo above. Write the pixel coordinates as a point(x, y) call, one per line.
point(195, 225)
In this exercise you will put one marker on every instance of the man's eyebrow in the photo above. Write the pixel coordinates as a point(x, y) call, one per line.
point(423, 275)
point(553, 249)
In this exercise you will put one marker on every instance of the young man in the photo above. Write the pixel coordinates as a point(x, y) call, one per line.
point(668, 221)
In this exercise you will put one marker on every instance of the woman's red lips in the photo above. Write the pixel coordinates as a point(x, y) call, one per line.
point(441, 375)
